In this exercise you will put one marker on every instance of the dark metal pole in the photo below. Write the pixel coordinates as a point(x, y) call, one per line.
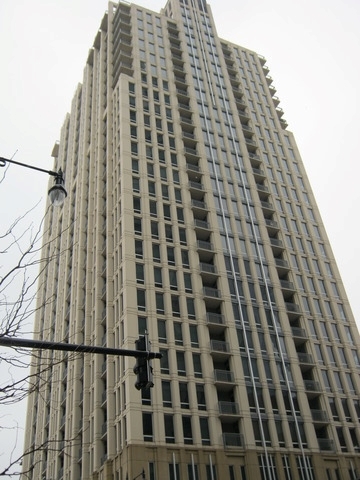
point(70, 347)
point(4, 161)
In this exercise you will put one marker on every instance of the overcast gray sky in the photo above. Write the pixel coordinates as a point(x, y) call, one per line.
point(312, 49)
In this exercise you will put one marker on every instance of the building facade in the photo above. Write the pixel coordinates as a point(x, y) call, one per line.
point(189, 216)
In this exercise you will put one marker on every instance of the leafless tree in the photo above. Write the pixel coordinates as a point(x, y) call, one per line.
point(21, 267)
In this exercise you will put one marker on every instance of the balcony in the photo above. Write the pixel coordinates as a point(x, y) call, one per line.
point(219, 349)
point(243, 115)
point(182, 93)
point(224, 380)
point(215, 323)
point(211, 292)
point(283, 123)
point(194, 172)
point(202, 245)
point(183, 107)
point(286, 285)
point(276, 245)
point(299, 335)
point(272, 226)
point(175, 46)
point(267, 207)
point(292, 308)
point(255, 160)
point(202, 230)
point(250, 142)
point(196, 190)
point(320, 416)
point(228, 409)
point(233, 440)
point(208, 271)
point(306, 361)
point(208, 268)
point(259, 174)
point(312, 388)
point(199, 208)
point(263, 191)
point(201, 224)
point(180, 79)
point(326, 444)
point(280, 112)
point(262, 187)
point(276, 100)
point(191, 153)
point(282, 266)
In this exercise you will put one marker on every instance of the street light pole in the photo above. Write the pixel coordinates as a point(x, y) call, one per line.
point(57, 192)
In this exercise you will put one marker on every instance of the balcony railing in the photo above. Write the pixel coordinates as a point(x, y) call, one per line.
point(198, 204)
point(305, 358)
point(298, 332)
point(234, 440)
point(279, 262)
point(287, 284)
point(275, 242)
point(326, 444)
point(223, 376)
point(219, 346)
point(312, 386)
point(292, 307)
point(228, 408)
point(320, 416)
point(196, 185)
point(201, 224)
point(203, 245)
point(207, 268)
point(215, 318)
point(211, 292)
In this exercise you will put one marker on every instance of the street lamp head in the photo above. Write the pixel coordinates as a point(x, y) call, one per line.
point(57, 193)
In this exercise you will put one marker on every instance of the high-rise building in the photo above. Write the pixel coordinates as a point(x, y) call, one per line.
point(189, 216)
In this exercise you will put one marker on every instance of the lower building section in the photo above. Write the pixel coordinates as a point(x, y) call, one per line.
point(186, 463)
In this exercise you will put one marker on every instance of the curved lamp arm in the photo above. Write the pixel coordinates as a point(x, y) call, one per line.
point(57, 193)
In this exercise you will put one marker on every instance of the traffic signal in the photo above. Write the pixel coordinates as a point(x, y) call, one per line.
point(143, 368)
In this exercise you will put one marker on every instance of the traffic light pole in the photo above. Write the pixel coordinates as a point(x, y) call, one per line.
point(69, 347)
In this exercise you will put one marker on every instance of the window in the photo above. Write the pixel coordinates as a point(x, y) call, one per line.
point(164, 362)
point(180, 359)
point(204, 430)
point(141, 302)
point(178, 333)
point(187, 430)
point(140, 277)
point(154, 230)
point(137, 204)
point(200, 395)
point(137, 226)
point(153, 209)
point(190, 307)
point(147, 427)
point(156, 252)
point(138, 249)
point(169, 429)
point(194, 336)
point(187, 282)
point(162, 331)
point(168, 233)
point(171, 255)
point(197, 365)
point(184, 396)
point(159, 303)
point(158, 277)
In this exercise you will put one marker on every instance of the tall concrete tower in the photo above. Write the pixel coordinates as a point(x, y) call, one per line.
point(190, 216)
